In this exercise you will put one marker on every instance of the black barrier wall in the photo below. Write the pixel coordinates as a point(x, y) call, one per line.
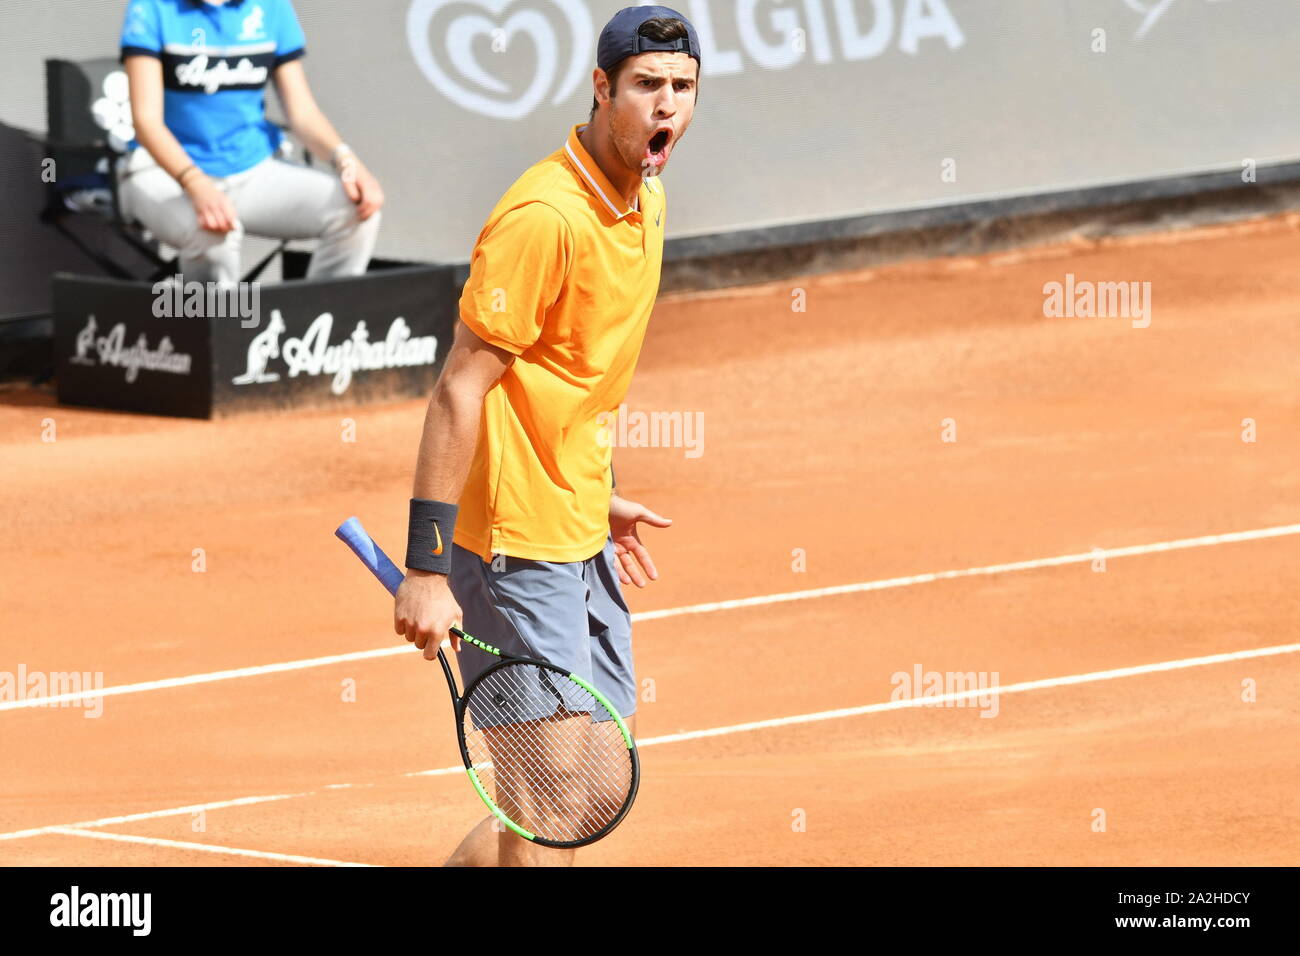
point(183, 349)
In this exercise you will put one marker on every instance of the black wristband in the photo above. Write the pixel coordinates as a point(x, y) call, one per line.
point(428, 539)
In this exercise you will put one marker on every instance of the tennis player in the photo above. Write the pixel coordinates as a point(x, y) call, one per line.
point(516, 530)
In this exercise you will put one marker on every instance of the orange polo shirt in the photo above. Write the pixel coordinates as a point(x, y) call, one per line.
point(564, 275)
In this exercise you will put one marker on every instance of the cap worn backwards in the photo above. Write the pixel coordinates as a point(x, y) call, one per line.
point(620, 38)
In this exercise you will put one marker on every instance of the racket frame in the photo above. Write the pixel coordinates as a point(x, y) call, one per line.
point(461, 704)
point(372, 556)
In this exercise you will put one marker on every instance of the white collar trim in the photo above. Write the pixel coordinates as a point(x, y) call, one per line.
point(595, 185)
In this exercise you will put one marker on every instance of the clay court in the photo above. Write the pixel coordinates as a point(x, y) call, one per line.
point(1153, 687)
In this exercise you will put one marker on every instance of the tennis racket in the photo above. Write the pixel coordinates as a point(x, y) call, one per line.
point(544, 749)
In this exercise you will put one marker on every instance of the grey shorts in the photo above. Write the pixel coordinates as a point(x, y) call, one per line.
point(570, 614)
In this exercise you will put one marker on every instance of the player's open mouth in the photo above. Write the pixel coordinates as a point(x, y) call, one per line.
point(657, 150)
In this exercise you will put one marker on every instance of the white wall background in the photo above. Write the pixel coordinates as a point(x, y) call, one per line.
point(857, 115)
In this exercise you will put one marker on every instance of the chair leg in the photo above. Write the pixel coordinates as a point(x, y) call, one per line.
point(164, 271)
point(257, 269)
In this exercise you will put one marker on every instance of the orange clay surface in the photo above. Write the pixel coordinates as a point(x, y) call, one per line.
point(823, 464)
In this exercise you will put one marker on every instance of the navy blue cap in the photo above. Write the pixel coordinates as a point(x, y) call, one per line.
point(620, 39)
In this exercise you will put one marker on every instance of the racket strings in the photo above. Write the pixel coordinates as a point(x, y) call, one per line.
point(548, 810)
point(558, 811)
point(544, 755)
point(563, 779)
point(592, 767)
point(552, 786)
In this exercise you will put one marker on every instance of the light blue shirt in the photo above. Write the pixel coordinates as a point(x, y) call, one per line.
point(216, 61)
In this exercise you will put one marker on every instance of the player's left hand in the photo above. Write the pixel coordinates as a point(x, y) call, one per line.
point(361, 186)
point(630, 556)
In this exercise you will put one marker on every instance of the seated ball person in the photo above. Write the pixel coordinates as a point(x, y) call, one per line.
point(204, 168)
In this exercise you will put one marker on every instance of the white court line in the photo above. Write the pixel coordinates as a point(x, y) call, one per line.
point(437, 773)
point(975, 694)
point(202, 847)
point(153, 814)
point(780, 598)
point(1017, 688)
point(256, 671)
point(1178, 545)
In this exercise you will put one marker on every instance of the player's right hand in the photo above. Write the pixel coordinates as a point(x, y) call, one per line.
point(425, 611)
point(212, 207)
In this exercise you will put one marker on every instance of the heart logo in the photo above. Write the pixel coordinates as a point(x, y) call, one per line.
point(459, 43)
point(1151, 10)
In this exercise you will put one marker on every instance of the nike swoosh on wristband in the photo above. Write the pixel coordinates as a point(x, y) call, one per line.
point(438, 534)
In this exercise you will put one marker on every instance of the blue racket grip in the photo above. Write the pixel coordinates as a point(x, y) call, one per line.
point(372, 556)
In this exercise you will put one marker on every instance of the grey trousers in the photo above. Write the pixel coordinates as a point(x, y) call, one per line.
point(275, 198)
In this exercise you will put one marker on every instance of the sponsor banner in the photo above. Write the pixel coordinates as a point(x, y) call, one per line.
point(808, 109)
point(110, 351)
point(822, 109)
point(342, 342)
point(339, 341)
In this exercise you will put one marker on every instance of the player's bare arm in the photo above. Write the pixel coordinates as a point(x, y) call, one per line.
point(425, 610)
